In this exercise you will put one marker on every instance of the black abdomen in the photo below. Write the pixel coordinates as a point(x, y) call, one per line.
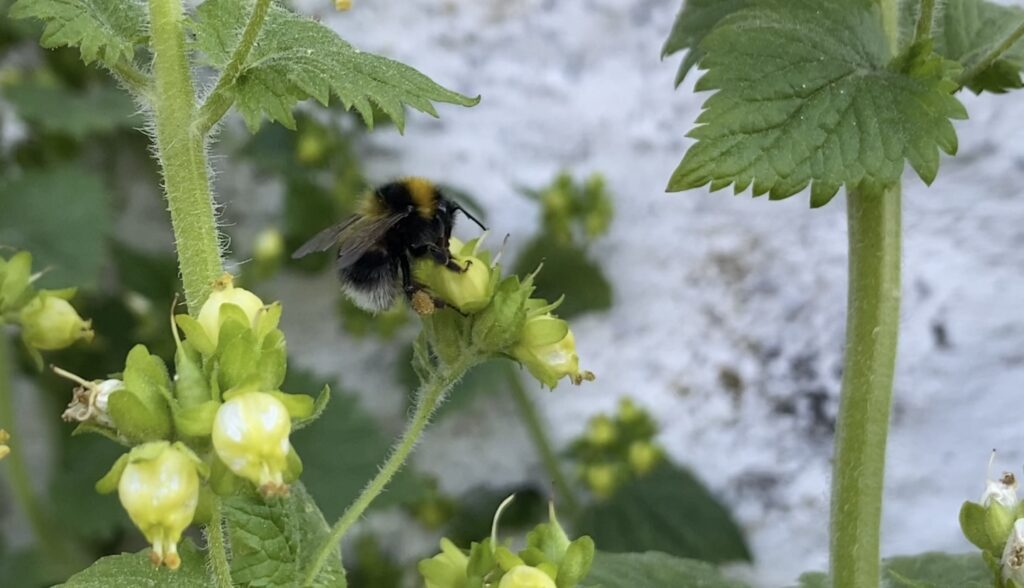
point(372, 281)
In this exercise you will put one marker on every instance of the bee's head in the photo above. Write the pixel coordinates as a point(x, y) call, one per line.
point(446, 209)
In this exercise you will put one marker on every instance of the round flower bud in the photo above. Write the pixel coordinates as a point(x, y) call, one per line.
point(250, 435)
point(547, 349)
point(526, 577)
point(469, 290)
point(224, 292)
point(602, 479)
point(49, 323)
point(160, 493)
point(601, 431)
point(643, 456)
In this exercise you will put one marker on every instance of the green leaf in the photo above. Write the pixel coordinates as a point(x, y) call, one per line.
point(296, 58)
point(273, 542)
point(62, 215)
point(970, 29)
point(83, 461)
point(74, 113)
point(695, 20)
point(319, 406)
point(567, 271)
point(132, 570)
point(806, 93)
point(937, 570)
point(343, 450)
point(136, 420)
point(654, 570)
point(667, 510)
point(107, 30)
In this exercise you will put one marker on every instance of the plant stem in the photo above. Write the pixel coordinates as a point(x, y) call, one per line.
point(182, 155)
point(872, 326)
point(217, 547)
point(133, 79)
point(218, 102)
point(528, 411)
point(993, 55)
point(49, 539)
point(430, 396)
point(891, 23)
point(924, 21)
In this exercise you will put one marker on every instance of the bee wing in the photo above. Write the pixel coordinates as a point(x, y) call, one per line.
point(361, 234)
point(325, 239)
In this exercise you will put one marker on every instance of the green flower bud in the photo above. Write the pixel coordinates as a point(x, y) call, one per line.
point(526, 577)
point(250, 435)
point(159, 488)
point(601, 431)
point(602, 479)
point(49, 322)
point(224, 292)
point(547, 349)
point(643, 457)
point(5, 449)
point(468, 291)
point(446, 569)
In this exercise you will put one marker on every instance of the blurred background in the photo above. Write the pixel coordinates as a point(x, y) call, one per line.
point(721, 318)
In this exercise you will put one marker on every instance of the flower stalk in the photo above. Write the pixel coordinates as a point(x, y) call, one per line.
point(429, 397)
point(865, 402)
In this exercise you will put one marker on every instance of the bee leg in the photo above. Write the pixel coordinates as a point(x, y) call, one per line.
point(443, 257)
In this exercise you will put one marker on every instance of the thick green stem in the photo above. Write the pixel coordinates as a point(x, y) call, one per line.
point(430, 396)
point(872, 326)
point(924, 21)
point(217, 547)
point(219, 102)
point(992, 56)
point(182, 154)
point(51, 540)
point(528, 411)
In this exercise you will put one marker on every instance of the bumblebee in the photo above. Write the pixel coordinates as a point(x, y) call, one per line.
point(395, 223)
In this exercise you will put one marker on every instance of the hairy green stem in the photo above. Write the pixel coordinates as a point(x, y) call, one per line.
point(55, 544)
point(872, 327)
point(182, 154)
point(528, 412)
point(924, 21)
point(993, 55)
point(132, 77)
point(891, 23)
point(219, 102)
point(218, 547)
point(430, 396)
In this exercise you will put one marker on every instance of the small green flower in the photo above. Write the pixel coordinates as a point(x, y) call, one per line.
point(446, 569)
point(643, 457)
point(468, 291)
point(250, 435)
point(159, 488)
point(224, 292)
point(526, 577)
point(547, 348)
point(49, 322)
point(601, 431)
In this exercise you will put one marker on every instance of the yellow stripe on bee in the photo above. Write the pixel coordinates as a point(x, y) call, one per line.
point(423, 195)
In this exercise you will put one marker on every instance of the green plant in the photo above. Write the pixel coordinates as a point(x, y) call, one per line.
point(843, 93)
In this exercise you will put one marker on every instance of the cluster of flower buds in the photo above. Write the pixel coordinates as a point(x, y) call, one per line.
point(614, 450)
point(995, 525)
point(575, 212)
point(48, 321)
point(549, 560)
point(498, 314)
point(220, 425)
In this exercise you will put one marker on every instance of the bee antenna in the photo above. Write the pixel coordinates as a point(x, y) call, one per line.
point(470, 216)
